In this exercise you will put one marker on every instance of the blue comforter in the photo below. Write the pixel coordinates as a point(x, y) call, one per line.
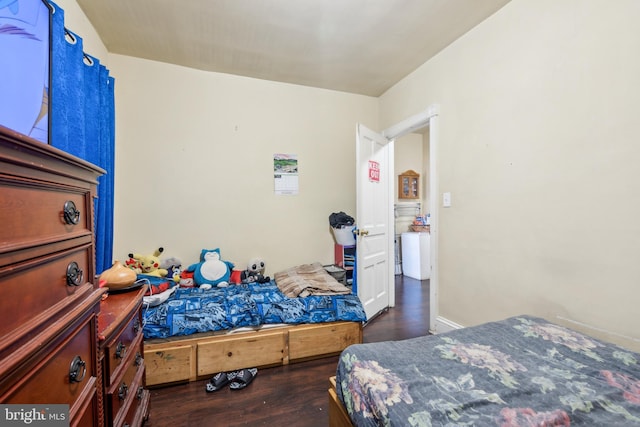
point(192, 310)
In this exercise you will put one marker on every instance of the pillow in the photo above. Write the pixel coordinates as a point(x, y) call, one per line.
point(157, 299)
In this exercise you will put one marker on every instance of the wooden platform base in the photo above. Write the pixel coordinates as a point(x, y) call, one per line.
point(183, 359)
point(338, 416)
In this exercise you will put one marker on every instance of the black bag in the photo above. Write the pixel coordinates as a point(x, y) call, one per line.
point(340, 219)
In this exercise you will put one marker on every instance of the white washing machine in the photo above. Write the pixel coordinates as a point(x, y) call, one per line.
point(416, 257)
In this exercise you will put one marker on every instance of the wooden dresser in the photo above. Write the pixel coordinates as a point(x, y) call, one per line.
point(121, 357)
point(50, 304)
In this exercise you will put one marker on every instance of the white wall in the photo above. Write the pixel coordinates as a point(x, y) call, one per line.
point(194, 160)
point(538, 147)
point(194, 164)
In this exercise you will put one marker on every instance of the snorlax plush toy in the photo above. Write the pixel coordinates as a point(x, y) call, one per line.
point(211, 270)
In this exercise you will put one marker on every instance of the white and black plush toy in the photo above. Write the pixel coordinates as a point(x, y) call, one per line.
point(255, 272)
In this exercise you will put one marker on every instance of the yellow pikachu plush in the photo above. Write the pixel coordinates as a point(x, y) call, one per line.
point(150, 264)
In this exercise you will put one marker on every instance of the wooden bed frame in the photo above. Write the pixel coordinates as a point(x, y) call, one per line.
point(338, 416)
point(195, 357)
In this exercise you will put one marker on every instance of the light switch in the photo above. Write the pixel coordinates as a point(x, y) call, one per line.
point(446, 200)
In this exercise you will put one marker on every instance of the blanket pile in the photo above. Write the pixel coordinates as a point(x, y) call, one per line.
point(308, 279)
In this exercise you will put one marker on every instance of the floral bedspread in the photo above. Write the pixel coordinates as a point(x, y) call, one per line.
point(523, 371)
point(192, 310)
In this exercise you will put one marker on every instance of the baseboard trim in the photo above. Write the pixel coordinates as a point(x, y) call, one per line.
point(444, 325)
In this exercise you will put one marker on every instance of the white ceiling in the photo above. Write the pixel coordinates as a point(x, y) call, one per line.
point(358, 46)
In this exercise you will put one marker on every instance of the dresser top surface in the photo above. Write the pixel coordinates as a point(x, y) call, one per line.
point(115, 308)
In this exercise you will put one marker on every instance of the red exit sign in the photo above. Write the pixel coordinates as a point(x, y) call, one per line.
point(374, 171)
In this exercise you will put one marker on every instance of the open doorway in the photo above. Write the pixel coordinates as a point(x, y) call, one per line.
point(375, 197)
point(421, 132)
point(411, 205)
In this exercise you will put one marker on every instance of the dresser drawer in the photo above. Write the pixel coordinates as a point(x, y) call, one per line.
point(118, 349)
point(35, 214)
point(88, 411)
point(125, 390)
point(138, 411)
point(62, 372)
point(35, 290)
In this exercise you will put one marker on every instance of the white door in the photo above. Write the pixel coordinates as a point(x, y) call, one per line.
point(374, 220)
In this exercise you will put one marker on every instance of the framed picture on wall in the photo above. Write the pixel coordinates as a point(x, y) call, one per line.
point(408, 185)
point(25, 64)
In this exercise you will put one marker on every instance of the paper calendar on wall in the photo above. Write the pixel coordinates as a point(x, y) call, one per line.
point(285, 174)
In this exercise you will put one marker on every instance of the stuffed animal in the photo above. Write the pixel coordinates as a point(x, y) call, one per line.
point(173, 267)
point(236, 276)
point(150, 264)
point(186, 279)
point(170, 262)
point(211, 270)
point(254, 272)
point(133, 264)
point(174, 272)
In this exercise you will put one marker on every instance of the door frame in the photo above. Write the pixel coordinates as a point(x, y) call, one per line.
point(430, 118)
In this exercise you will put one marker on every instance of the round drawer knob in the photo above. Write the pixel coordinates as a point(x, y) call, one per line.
point(122, 391)
point(70, 213)
point(74, 274)
point(121, 350)
point(77, 370)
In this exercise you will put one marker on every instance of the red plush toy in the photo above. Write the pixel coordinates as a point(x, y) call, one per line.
point(133, 264)
point(186, 279)
point(236, 277)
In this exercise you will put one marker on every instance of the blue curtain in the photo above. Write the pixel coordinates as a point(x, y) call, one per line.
point(83, 121)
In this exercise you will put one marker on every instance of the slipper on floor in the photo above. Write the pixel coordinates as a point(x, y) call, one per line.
point(243, 378)
point(218, 381)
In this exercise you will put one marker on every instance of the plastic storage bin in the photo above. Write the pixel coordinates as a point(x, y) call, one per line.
point(337, 272)
point(344, 236)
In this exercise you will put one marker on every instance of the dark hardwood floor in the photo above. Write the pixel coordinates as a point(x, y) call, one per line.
point(292, 395)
